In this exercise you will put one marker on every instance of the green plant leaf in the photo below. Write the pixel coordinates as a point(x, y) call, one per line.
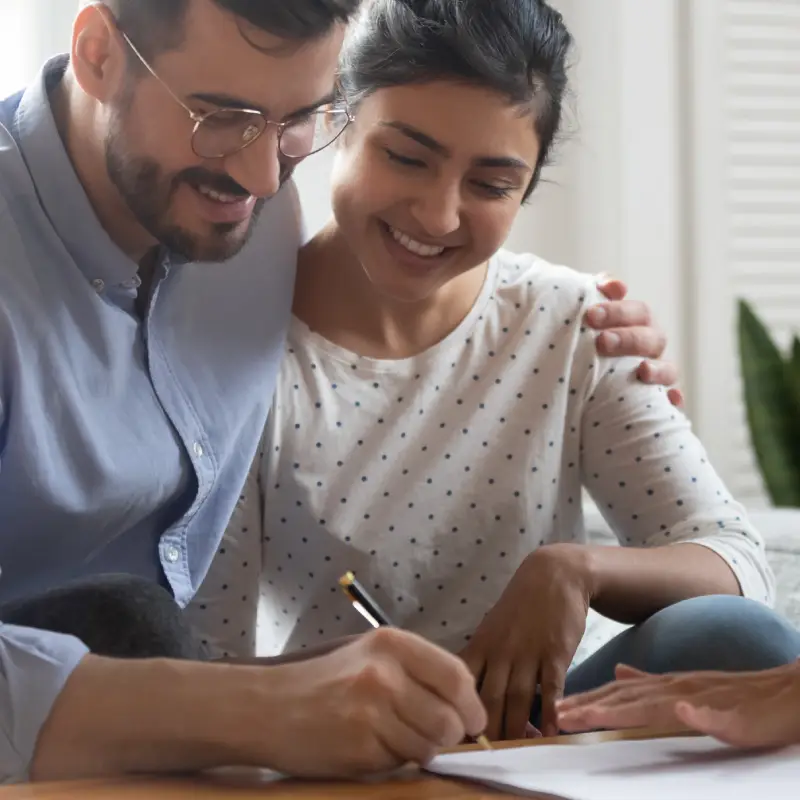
point(772, 399)
point(793, 367)
point(794, 362)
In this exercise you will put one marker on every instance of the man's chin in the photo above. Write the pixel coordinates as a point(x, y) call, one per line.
point(221, 243)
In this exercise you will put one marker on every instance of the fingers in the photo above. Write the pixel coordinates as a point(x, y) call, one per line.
point(657, 373)
point(434, 722)
point(612, 288)
point(532, 732)
point(442, 673)
point(676, 398)
point(493, 695)
point(619, 314)
point(595, 696)
point(404, 743)
point(519, 701)
point(552, 688)
point(598, 715)
point(623, 672)
point(634, 341)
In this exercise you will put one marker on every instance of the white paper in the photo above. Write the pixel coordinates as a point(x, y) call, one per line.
point(682, 768)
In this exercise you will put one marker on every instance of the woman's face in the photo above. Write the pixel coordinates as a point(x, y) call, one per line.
point(427, 182)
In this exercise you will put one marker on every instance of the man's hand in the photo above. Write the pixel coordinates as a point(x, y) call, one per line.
point(529, 638)
point(385, 700)
point(744, 709)
point(627, 329)
point(388, 698)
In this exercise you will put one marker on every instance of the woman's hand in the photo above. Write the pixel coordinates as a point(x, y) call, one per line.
point(627, 329)
point(744, 709)
point(529, 638)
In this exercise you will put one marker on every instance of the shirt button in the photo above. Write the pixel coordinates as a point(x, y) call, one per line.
point(98, 285)
point(172, 554)
point(198, 450)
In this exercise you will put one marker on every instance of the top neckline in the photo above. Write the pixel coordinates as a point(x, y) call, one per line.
point(300, 332)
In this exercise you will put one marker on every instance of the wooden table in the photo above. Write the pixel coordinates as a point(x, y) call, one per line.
point(251, 784)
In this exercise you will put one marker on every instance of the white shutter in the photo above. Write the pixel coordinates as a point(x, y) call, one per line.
point(744, 80)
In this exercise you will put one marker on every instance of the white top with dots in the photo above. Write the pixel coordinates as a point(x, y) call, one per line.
point(433, 477)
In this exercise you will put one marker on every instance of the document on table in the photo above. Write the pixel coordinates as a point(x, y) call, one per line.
point(682, 768)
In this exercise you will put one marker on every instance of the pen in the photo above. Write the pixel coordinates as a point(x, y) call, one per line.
point(376, 617)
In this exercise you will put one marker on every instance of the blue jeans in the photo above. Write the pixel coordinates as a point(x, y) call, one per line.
point(718, 632)
point(704, 633)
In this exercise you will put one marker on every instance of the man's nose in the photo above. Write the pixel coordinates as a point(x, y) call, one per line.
point(257, 167)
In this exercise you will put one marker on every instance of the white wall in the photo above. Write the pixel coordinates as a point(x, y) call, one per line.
point(17, 58)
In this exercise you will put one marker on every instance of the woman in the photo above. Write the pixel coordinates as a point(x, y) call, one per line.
point(442, 405)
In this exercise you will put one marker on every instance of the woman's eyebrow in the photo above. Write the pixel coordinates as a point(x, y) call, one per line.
point(502, 162)
point(419, 137)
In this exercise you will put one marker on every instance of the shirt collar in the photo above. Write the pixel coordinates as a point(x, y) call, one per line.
point(60, 191)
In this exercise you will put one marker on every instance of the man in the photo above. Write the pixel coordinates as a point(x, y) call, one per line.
point(145, 289)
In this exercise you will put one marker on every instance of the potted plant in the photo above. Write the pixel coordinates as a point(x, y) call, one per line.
point(772, 398)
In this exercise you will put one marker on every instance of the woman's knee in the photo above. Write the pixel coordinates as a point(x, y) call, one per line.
point(717, 632)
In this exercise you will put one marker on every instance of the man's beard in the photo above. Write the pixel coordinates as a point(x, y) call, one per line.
point(148, 193)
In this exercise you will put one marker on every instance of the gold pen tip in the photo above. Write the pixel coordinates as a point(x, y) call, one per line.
point(348, 579)
point(484, 742)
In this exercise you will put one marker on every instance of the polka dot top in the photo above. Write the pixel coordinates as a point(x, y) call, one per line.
point(434, 476)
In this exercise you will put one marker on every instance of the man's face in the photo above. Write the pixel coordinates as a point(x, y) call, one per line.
point(205, 208)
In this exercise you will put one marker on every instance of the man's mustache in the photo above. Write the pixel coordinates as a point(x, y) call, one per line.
point(216, 181)
point(221, 182)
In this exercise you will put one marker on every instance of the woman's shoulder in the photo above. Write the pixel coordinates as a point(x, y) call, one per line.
point(525, 278)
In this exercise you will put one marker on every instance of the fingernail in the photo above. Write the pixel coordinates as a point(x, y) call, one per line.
point(611, 342)
point(597, 315)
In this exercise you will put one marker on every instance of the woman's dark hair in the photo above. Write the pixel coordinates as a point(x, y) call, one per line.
point(518, 48)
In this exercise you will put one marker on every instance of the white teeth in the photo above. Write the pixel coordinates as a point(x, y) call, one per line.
point(419, 249)
point(218, 196)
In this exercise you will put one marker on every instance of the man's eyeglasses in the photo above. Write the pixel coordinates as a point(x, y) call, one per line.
point(226, 131)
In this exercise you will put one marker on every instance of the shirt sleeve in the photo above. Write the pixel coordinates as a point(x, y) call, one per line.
point(34, 666)
point(651, 477)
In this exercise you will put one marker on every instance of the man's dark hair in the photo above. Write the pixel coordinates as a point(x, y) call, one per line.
point(157, 25)
point(518, 48)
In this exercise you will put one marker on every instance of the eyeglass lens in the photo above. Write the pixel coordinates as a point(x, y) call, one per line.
point(229, 130)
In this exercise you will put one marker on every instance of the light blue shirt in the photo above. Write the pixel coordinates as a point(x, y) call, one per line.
point(124, 443)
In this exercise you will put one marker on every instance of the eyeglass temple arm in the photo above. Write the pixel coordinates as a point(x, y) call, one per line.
point(194, 116)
